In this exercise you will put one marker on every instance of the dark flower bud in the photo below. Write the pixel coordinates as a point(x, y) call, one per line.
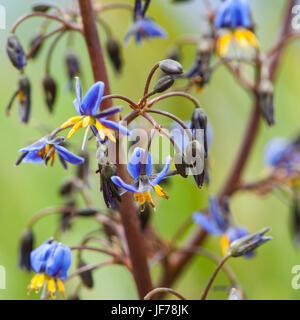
point(73, 67)
point(26, 246)
point(295, 214)
point(109, 190)
point(180, 165)
point(41, 7)
point(114, 51)
point(67, 215)
point(15, 52)
point(199, 126)
point(49, 86)
point(169, 66)
point(265, 93)
point(66, 188)
point(194, 157)
point(86, 276)
point(145, 216)
point(164, 83)
point(83, 169)
point(35, 45)
point(248, 243)
point(86, 212)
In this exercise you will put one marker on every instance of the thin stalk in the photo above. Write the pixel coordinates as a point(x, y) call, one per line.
point(155, 291)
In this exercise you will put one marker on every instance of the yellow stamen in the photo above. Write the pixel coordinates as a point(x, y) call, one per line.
point(160, 191)
point(224, 244)
point(105, 131)
point(88, 121)
point(36, 282)
point(71, 121)
point(223, 44)
point(76, 127)
point(52, 287)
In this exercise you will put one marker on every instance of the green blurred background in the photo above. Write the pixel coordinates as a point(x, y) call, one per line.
point(29, 188)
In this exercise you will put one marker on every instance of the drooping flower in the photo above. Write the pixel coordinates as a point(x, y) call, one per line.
point(51, 262)
point(140, 169)
point(89, 116)
point(235, 17)
point(143, 27)
point(219, 224)
point(45, 150)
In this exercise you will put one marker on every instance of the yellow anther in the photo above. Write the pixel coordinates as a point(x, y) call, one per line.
point(223, 44)
point(160, 192)
point(88, 121)
point(104, 131)
point(60, 286)
point(52, 287)
point(71, 121)
point(76, 127)
point(224, 243)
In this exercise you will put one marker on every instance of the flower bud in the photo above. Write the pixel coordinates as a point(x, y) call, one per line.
point(248, 243)
point(180, 165)
point(169, 66)
point(265, 94)
point(199, 127)
point(114, 52)
point(35, 45)
point(26, 246)
point(41, 7)
point(49, 86)
point(86, 212)
point(66, 188)
point(295, 214)
point(164, 83)
point(73, 67)
point(24, 98)
point(15, 52)
point(86, 277)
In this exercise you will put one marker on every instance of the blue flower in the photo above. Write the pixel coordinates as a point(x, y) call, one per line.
point(51, 261)
point(219, 224)
point(140, 170)
point(233, 14)
point(45, 149)
point(89, 116)
point(275, 151)
point(144, 28)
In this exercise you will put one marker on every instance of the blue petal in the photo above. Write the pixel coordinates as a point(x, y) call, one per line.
point(120, 183)
point(116, 126)
point(68, 156)
point(59, 262)
point(109, 112)
point(32, 157)
point(180, 136)
point(92, 100)
point(275, 150)
point(217, 214)
point(135, 163)
point(163, 172)
point(77, 101)
point(206, 223)
point(40, 256)
point(35, 146)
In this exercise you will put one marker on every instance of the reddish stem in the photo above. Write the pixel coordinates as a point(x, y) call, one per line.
point(127, 207)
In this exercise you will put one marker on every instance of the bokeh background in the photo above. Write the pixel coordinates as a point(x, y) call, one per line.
point(29, 188)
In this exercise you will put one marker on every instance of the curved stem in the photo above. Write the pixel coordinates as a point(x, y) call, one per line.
point(155, 291)
point(174, 94)
point(109, 253)
point(45, 15)
point(118, 96)
point(211, 280)
point(149, 78)
point(115, 5)
point(50, 52)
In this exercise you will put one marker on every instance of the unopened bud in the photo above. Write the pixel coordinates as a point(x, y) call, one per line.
point(24, 98)
point(114, 51)
point(164, 83)
point(49, 86)
point(248, 243)
point(41, 7)
point(86, 276)
point(15, 52)
point(35, 45)
point(86, 212)
point(170, 66)
point(266, 94)
point(26, 246)
point(180, 165)
point(72, 62)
